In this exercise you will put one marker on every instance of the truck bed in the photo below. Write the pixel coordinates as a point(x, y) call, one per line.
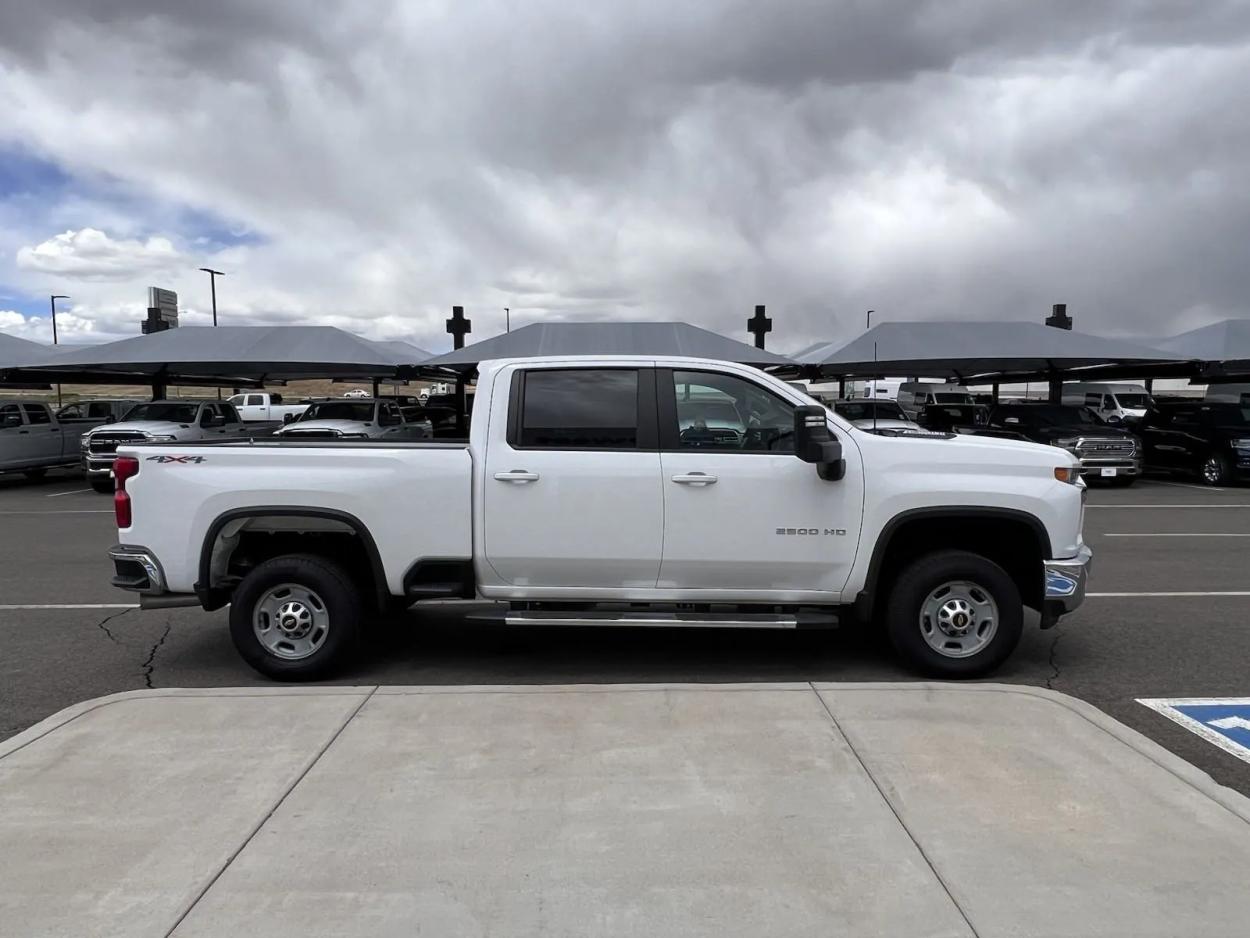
point(413, 498)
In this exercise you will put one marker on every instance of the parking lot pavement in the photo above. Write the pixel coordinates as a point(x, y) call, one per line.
point(1116, 650)
point(717, 810)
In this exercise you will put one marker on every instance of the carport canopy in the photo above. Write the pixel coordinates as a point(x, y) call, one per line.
point(983, 352)
point(1222, 347)
point(230, 352)
point(606, 338)
point(16, 353)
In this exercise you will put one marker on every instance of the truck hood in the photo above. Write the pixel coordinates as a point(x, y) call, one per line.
point(155, 427)
point(342, 426)
point(1065, 431)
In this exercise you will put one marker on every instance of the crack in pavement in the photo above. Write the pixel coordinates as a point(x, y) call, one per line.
point(150, 664)
point(103, 625)
point(1054, 667)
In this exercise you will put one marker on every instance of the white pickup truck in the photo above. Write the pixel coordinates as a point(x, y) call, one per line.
point(589, 492)
point(263, 407)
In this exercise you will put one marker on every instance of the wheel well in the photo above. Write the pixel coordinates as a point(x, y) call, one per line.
point(1013, 543)
point(237, 544)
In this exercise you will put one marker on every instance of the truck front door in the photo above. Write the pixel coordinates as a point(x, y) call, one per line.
point(572, 492)
point(741, 511)
point(48, 443)
point(17, 446)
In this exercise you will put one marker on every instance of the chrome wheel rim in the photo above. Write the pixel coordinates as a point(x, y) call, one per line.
point(1211, 469)
point(291, 621)
point(958, 619)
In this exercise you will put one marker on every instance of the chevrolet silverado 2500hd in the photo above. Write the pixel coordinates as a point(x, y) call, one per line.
point(611, 490)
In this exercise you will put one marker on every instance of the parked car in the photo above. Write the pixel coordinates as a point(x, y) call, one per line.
point(95, 411)
point(915, 396)
point(184, 420)
point(356, 393)
point(369, 419)
point(34, 440)
point(264, 407)
point(1105, 452)
point(875, 415)
point(578, 499)
point(1209, 439)
point(1114, 403)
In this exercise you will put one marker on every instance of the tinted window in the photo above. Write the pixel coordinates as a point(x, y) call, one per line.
point(231, 415)
point(69, 412)
point(388, 415)
point(867, 410)
point(100, 409)
point(340, 410)
point(581, 409)
point(253, 400)
point(1093, 400)
point(37, 414)
point(761, 421)
point(8, 411)
point(163, 410)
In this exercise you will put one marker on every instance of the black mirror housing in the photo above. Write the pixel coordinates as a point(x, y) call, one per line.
point(813, 443)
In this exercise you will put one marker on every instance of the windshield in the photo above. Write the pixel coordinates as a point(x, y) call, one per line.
point(360, 411)
point(1133, 401)
point(867, 410)
point(950, 397)
point(1045, 414)
point(164, 410)
point(1226, 415)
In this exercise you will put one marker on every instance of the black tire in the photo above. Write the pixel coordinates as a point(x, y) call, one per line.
point(1216, 469)
point(1123, 482)
point(35, 474)
point(103, 486)
point(920, 578)
point(342, 603)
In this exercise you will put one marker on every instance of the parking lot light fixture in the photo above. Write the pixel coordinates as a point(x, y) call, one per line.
point(52, 299)
point(212, 279)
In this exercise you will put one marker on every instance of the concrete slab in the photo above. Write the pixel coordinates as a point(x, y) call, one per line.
point(899, 810)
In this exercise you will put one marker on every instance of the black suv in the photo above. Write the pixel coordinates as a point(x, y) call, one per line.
point(1105, 452)
point(1210, 439)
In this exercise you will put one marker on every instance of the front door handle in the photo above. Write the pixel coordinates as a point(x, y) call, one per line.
point(516, 475)
point(694, 478)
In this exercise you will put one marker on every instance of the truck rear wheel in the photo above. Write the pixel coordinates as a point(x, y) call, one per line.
point(296, 618)
point(954, 614)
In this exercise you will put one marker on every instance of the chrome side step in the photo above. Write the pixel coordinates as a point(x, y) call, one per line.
point(648, 619)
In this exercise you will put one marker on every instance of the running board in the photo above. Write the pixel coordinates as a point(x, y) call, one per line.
point(644, 619)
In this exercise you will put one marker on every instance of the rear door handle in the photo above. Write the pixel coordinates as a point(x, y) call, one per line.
point(517, 475)
point(694, 478)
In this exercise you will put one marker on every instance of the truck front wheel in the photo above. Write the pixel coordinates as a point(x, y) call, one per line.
point(954, 614)
point(296, 618)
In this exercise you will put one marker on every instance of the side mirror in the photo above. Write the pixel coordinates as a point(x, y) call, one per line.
point(287, 418)
point(1114, 418)
point(110, 419)
point(814, 443)
point(216, 420)
point(1012, 421)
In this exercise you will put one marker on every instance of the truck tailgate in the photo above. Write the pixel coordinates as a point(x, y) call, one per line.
point(414, 500)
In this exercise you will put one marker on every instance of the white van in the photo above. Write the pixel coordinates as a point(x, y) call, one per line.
point(1126, 402)
point(915, 396)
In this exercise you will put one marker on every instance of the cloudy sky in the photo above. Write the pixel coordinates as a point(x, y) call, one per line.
point(369, 164)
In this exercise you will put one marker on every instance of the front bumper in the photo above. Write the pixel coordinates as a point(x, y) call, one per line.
point(1065, 582)
point(1125, 467)
point(97, 465)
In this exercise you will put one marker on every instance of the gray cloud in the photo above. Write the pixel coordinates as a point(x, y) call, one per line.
point(661, 160)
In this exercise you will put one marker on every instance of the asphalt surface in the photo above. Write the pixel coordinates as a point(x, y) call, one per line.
point(1131, 644)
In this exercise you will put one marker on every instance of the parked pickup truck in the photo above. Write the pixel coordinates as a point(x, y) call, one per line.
point(368, 419)
point(33, 440)
point(174, 421)
point(581, 499)
point(1105, 452)
point(263, 407)
point(95, 411)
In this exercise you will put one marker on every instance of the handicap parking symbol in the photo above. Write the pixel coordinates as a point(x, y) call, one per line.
point(1224, 721)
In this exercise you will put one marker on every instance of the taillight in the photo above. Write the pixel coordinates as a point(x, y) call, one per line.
point(123, 468)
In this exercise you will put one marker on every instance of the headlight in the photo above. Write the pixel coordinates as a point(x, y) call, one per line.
point(1243, 443)
point(84, 443)
point(1068, 442)
point(160, 438)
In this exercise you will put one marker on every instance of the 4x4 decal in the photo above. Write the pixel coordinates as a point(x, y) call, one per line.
point(181, 459)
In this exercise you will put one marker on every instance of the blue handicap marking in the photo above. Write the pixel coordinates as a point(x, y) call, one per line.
point(1222, 721)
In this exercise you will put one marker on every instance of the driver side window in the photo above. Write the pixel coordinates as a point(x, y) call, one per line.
point(727, 413)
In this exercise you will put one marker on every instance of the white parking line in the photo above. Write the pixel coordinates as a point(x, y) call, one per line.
point(7, 607)
point(66, 511)
point(70, 492)
point(1171, 534)
point(1165, 595)
point(1188, 485)
point(1229, 505)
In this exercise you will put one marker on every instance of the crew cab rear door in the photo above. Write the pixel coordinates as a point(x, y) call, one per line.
point(572, 494)
point(742, 513)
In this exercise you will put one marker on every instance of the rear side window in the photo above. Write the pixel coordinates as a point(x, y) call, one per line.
point(8, 412)
point(228, 411)
point(1093, 400)
point(99, 409)
point(254, 400)
point(580, 409)
point(37, 414)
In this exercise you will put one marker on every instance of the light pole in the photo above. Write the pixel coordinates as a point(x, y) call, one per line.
point(52, 301)
point(507, 319)
point(212, 280)
point(868, 321)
